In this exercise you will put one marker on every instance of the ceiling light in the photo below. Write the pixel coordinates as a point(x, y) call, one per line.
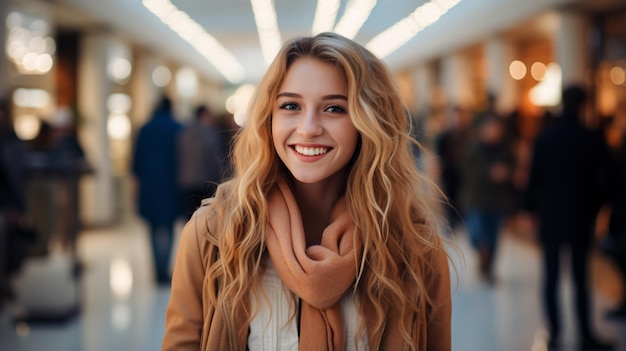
point(198, 37)
point(43, 63)
point(28, 45)
point(31, 98)
point(16, 50)
point(118, 126)
point(119, 103)
point(517, 70)
point(119, 69)
point(14, 20)
point(161, 76)
point(237, 104)
point(37, 44)
point(267, 27)
point(51, 45)
point(538, 70)
point(548, 91)
point(29, 61)
point(325, 15)
point(357, 12)
point(405, 29)
point(27, 126)
point(617, 75)
point(186, 82)
point(40, 26)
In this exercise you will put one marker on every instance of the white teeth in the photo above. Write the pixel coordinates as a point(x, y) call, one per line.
point(311, 151)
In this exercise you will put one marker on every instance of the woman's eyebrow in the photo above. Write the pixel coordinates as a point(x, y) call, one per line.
point(325, 97)
point(335, 96)
point(287, 94)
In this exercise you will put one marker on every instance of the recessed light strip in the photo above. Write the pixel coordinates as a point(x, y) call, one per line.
point(357, 12)
point(267, 27)
point(198, 37)
point(325, 15)
point(404, 30)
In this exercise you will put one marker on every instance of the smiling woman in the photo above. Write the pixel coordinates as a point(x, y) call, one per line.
point(311, 127)
point(326, 237)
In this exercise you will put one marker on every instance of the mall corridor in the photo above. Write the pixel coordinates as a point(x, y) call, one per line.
point(482, 84)
point(122, 309)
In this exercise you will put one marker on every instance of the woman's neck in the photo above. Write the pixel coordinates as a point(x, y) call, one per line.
point(316, 203)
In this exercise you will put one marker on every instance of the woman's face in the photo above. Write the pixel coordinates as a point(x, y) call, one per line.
point(311, 126)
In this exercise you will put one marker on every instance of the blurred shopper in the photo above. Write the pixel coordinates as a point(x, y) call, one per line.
point(521, 146)
point(488, 111)
point(228, 130)
point(487, 195)
point(567, 186)
point(155, 167)
point(68, 164)
point(13, 248)
point(40, 191)
point(450, 146)
point(615, 243)
point(202, 156)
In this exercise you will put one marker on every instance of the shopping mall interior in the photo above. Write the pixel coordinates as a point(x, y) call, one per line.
point(86, 76)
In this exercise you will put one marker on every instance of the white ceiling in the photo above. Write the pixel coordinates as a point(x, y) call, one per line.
point(232, 23)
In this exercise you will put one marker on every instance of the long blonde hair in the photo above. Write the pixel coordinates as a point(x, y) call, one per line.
point(386, 193)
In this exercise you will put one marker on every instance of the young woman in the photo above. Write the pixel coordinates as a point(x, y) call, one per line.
point(325, 238)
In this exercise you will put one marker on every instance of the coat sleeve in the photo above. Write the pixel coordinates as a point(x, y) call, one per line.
point(184, 316)
point(439, 337)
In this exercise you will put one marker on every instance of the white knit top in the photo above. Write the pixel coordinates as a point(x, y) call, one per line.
point(271, 328)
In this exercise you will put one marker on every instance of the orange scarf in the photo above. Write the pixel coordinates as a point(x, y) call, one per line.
point(320, 275)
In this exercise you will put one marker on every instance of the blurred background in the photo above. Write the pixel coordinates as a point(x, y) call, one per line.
point(82, 249)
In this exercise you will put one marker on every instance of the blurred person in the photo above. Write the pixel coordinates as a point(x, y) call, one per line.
point(13, 212)
point(40, 189)
point(450, 146)
point(201, 157)
point(614, 243)
point(521, 145)
point(228, 130)
point(67, 152)
point(68, 163)
point(155, 166)
point(325, 238)
point(486, 191)
point(488, 110)
point(566, 188)
point(520, 140)
point(42, 144)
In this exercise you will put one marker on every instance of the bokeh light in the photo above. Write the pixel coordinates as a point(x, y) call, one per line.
point(517, 70)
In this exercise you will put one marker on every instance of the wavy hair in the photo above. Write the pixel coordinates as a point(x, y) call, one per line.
point(390, 201)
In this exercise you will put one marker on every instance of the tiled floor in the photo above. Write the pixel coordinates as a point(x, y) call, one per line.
point(121, 309)
point(508, 316)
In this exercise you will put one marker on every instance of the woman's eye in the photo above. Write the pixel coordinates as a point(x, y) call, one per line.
point(289, 106)
point(335, 109)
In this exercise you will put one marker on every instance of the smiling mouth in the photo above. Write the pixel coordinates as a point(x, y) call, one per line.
point(311, 151)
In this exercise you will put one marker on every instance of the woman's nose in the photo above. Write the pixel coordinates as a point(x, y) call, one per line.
point(310, 124)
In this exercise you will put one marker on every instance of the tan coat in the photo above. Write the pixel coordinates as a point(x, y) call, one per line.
point(193, 324)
